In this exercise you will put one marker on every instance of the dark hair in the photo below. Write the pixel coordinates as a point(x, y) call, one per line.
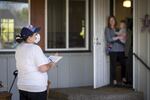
point(21, 39)
point(108, 21)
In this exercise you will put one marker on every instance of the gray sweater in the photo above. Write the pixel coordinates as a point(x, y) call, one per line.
point(117, 45)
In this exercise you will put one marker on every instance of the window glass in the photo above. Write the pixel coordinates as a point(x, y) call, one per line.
point(67, 25)
point(56, 24)
point(77, 21)
point(13, 16)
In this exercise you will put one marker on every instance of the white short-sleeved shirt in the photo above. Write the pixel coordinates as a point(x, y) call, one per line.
point(28, 58)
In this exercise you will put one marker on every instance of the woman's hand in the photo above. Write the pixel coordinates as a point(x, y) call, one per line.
point(115, 38)
point(46, 67)
point(52, 65)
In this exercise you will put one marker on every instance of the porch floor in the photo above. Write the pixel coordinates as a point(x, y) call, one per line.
point(88, 93)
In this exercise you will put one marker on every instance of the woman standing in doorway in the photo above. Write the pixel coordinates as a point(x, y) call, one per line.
point(32, 65)
point(116, 50)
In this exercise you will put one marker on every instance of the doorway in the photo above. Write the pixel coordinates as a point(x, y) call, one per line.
point(125, 12)
point(101, 10)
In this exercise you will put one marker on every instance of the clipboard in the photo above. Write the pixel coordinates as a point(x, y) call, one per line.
point(55, 59)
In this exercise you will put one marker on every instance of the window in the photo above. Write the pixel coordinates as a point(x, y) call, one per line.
point(7, 30)
point(14, 15)
point(56, 24)
point(67, 25)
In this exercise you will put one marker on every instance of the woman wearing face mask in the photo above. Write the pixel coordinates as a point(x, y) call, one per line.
point(32, 65)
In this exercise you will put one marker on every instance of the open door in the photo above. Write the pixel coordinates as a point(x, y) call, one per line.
point(101, 68)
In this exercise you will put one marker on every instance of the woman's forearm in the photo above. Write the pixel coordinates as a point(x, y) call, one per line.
point(46, 67)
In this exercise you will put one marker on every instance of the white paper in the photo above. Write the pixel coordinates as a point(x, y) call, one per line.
point(55, 59)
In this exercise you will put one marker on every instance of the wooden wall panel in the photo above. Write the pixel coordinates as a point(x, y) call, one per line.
point(38, 17)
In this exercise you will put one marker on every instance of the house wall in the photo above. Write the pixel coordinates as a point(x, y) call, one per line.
point(74, 70)
point(142, 48)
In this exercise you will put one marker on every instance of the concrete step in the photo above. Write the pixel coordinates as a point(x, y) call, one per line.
point(88, 93)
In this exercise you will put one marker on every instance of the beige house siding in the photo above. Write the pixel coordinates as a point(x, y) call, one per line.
point(76, 69)
point(142, 48)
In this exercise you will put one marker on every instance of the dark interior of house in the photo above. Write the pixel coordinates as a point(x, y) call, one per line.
point(124, 13)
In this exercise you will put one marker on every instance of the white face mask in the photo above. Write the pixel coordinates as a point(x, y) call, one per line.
point(37, 40)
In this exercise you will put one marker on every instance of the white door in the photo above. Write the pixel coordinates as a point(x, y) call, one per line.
point(101, 69)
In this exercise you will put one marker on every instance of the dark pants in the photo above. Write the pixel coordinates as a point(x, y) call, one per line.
point(129, 66)
point(24, 95)
point(114, 58)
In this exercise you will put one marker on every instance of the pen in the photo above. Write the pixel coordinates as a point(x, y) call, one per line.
point(51, 60)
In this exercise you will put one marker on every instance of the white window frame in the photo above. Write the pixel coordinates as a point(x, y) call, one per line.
point(29, 21)
point(67, 29)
